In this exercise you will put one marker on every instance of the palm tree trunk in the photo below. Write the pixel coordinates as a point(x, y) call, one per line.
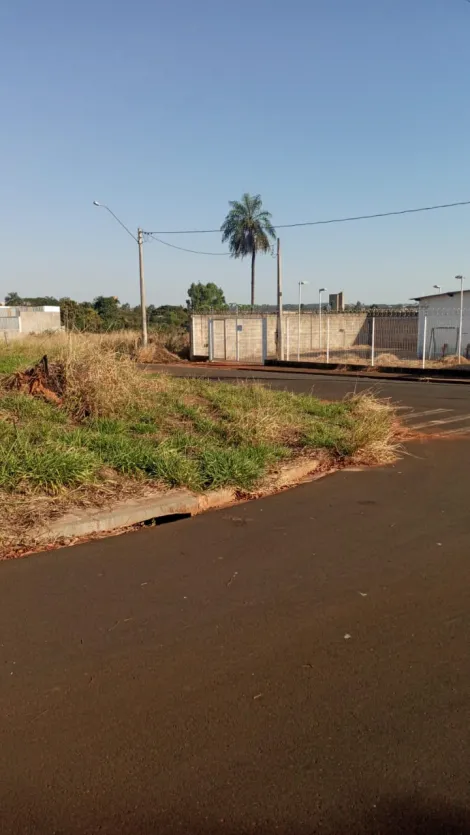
point(253, 256)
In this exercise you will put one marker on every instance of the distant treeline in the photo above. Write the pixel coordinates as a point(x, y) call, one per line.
point(106, 313)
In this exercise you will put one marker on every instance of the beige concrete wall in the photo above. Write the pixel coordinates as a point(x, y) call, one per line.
point(308, 336)
point(9, 323)
point(39, 321)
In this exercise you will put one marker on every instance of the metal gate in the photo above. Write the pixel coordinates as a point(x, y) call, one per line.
point(235, 339)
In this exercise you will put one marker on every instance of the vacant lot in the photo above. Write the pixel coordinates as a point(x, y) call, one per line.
point(89, 428)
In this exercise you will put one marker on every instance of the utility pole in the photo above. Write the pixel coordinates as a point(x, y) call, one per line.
point(143, 306)
point(280, 337)
point(461, 279)
point(140, 243)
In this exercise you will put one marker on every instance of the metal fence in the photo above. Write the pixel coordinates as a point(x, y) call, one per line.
point(444, 336)
point(351, 339)
point(375, 338)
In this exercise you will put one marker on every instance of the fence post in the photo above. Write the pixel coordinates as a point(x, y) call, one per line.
point(425, 329)
point(327, 339)
point(237, 341)
point(298, 336)
point(372, 353)
point(211, 340)
point(264, 339)
point(192, 339)
point(225, 339)
point(287, 339)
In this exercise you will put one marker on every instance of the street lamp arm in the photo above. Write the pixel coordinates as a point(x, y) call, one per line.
point(103, 206)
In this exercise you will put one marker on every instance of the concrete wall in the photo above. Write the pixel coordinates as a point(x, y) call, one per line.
point(308, 336)
point(40, 321)
point(9, 323)
point(17, 321)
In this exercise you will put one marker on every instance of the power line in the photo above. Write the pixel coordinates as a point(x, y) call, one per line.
point(377, 214)
point(182, 248)
point(319, 222)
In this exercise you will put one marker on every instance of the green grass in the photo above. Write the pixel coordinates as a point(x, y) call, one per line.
point(12, 360)
point(189, 433)
point(116, 424)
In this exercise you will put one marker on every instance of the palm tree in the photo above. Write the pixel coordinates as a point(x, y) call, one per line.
point(248, 230)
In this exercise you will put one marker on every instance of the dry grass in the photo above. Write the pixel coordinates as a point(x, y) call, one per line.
point(377, 430)
point(29, 350)
point(103, 385)
point(451, 360)
point(119, 431)
point(386, 359)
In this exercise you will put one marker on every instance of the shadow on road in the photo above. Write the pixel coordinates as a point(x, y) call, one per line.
point(389, 817)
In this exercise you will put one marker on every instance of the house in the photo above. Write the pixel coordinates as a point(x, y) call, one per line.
point(16, 321)
point(439, 324)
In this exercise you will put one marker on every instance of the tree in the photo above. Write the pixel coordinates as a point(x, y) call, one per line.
point(108, 309)
point(13, 300)
point(167, 316)
point(248, 230)
point(204, 297)
point(78, 316)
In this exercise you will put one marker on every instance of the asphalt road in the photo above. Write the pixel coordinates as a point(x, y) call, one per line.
point(294, 665)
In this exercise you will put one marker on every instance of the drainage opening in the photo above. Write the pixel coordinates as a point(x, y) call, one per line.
point(165, 520)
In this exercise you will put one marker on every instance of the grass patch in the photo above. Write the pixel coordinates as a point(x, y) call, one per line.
point(32, 461)
point(116, 429)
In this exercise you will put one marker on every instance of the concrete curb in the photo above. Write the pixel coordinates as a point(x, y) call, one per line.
point(126, 514)
point(379, 372)
point(324, 370)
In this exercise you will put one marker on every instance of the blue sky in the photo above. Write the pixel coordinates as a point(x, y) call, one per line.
point(165, 111)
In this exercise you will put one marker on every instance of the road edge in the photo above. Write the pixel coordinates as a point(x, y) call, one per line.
point(126, 514)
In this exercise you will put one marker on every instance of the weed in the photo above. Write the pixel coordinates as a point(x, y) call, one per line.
point(118, 429)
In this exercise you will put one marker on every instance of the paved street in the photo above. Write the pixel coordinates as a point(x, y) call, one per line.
point(295, 665)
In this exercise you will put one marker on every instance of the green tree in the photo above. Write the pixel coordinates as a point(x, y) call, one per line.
point(167, 316)
point(248, 230)
point(204, 297)
point(13, 299)
point(108, 309)
point(78, 316)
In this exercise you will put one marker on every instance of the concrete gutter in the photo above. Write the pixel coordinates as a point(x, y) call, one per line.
point(439, 375)
point(399, 373)
point(126, 514)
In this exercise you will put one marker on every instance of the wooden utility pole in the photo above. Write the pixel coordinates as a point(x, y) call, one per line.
point(280, 336)
point(143, 306)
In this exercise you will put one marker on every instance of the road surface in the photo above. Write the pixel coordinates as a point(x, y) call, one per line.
point(294, 665)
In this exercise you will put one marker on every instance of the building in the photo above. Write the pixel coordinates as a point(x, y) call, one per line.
point(439, 324)
point(17, 321)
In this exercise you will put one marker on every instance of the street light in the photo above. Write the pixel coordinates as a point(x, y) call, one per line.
point(301, 284)
point(139, 242)
point(461, 279)
point(321, 290)
point(437, 287)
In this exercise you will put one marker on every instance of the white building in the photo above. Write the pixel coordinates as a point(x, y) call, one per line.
point(439, 318)
point(16, 321)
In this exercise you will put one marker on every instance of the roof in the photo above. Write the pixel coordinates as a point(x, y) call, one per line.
point(449, 293)
point(27, 308)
